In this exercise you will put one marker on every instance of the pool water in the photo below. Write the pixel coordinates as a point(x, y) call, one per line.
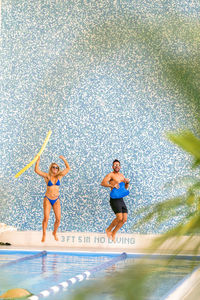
point(44, 272)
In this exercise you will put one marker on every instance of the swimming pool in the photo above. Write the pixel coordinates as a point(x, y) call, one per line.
point(44, 270)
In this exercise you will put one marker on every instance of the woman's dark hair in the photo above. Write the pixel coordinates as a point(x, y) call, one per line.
point(116, 160)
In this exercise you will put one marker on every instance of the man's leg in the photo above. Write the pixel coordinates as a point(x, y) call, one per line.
point(122, 218)
point(110, 227)
point(115, 205)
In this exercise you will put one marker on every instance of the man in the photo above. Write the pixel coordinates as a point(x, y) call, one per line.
point(112, 180)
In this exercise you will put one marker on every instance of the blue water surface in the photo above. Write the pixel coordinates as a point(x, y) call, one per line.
point(41, 273)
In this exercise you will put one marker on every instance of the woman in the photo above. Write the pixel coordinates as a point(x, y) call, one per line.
point(51, 198)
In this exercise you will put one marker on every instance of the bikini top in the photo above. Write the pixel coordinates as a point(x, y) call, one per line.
point(50, 183)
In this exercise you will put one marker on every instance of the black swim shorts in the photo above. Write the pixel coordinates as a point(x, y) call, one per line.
point(118, 205)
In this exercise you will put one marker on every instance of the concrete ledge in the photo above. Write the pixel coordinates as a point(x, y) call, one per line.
point(134, 243)
point(187, 289)
point(4, 227)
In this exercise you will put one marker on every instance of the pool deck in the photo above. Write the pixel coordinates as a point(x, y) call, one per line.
point(97, 243)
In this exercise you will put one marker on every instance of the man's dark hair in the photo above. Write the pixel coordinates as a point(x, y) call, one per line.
point(116, 160)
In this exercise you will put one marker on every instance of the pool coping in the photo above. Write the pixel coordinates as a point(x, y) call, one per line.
point(183, 289)
point(97, 242)
point(139, 254)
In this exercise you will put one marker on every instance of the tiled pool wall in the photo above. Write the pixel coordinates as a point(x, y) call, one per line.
point(92, 72)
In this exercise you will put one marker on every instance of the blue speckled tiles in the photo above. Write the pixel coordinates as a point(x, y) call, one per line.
point(100, 75)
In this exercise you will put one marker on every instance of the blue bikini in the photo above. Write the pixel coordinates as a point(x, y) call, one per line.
point(50, 184)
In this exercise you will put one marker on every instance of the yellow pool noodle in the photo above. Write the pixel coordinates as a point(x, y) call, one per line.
point(37, 156)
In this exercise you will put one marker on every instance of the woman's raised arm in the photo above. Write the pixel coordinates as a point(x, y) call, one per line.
point(67, 167)
point(38, 171)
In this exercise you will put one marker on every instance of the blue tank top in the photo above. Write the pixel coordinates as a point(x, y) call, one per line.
point(119, 193)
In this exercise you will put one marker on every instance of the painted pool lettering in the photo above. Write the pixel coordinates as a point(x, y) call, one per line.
point(119, 240)
point(98, 240)
point(81, 239)
point(84, 239)
point(123, 240)
point(75, 239)
point(68, 238)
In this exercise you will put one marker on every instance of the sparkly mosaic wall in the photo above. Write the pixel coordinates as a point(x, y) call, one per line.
point(94, 73)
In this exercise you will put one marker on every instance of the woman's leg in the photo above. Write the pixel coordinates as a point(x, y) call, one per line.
point(47, 209)
point(57, 212)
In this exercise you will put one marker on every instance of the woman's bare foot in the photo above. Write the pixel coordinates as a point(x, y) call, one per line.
point(109, 234)
point(55, 236)
point(43, 238)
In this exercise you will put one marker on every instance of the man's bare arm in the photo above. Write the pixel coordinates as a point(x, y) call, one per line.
point(126, 181)
point(106, 181)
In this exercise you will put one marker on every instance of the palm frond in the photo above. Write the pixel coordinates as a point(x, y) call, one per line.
point(188, 142)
